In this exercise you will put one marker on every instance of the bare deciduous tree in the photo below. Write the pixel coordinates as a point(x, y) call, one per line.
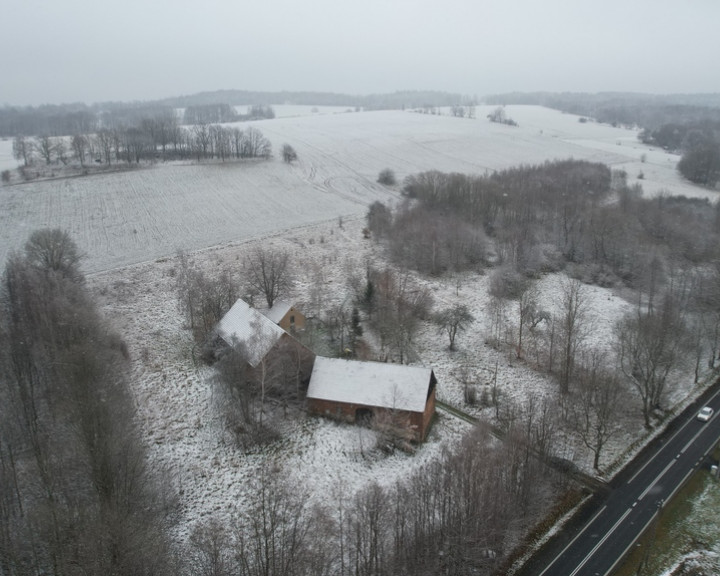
point(46, 147)
point(269, 273)
point(79, 144)
point(254, 144)
point(23, 149)
point(203, 299)
point(201, 140)
point(649, 346)
point(275, 533)
point(254, 394)
point(596, 403)
point(104, 139)
point(338, 320)
point(397, 307)
point(452, 320)
point(498, 320)
point(529, 316)
point(573, 326)
point(210, 550)
point(288, 154)
point(53, 249)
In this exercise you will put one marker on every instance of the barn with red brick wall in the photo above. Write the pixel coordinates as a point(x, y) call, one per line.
point(351, 390)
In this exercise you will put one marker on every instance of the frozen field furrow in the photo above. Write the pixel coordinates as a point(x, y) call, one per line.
point(120, 219)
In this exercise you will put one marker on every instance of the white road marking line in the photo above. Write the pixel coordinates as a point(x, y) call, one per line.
point(573, 540)
point(692, 440)
point(656, 479)
point(632, 543)
point(602, 541)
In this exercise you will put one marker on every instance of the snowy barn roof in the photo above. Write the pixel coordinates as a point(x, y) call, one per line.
point(277, 312)
point(245, 325)
point(370, 383)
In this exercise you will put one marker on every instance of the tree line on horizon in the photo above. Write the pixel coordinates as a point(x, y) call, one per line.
point(160, 138)
point(81, 118)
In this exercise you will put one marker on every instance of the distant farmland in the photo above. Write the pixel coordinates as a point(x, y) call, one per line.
point(124, 218)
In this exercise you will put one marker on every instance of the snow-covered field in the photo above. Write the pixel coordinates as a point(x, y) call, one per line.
point(124, 218)
point(7, 162)
point(130, 217)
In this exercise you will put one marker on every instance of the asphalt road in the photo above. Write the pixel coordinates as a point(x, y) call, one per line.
point(595, 547)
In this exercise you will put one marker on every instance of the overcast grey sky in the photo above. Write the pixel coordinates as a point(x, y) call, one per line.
point(57, 51)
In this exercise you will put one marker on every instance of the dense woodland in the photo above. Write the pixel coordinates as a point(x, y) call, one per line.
point(583, 219)
point(544, 217)
point(76, 493)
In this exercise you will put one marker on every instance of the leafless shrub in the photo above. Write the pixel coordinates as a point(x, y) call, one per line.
point(288, 154)
point(210, 550)
point(507, 283)
point(387, 177)
point(396, 306)
point(393, 431)
point(204, 300)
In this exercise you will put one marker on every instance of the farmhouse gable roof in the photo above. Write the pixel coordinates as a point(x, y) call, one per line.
point(394, 386)
point(246, 326)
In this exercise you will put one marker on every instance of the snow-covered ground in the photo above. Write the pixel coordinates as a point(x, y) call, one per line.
point(130, 217)
point(130, 224)
point(174, 395)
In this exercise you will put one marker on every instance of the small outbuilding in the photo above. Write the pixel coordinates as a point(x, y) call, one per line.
point(351, 390)
point(285, 315)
